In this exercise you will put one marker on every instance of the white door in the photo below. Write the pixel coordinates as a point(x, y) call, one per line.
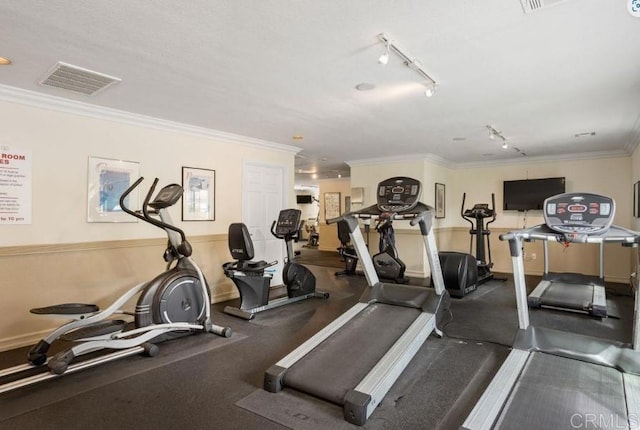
point(262, 200)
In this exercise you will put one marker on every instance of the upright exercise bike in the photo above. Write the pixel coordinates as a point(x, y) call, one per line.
point(175, 303)
point(251, 277)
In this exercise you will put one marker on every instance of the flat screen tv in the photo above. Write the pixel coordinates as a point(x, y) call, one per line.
point(529, 194)
point(304, 199)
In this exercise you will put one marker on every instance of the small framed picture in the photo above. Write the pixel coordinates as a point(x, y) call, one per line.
point(331, 205)
point(107, 180)
point(636, 199)
point(198, 199)
point(440, 200)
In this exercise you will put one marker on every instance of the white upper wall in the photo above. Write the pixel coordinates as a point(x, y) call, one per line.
point(61, 143)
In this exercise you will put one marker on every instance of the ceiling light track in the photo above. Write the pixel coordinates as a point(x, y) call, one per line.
point(495, 134)
point(411, 62)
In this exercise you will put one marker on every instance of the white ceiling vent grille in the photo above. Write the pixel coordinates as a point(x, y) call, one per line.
point(77, 79)
point(535, 5)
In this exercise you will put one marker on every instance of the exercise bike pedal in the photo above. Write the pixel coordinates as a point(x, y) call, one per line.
point(97, 329)
point(67, 309)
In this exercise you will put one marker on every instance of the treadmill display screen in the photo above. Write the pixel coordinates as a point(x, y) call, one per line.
point(399, 194)
point(579, 213)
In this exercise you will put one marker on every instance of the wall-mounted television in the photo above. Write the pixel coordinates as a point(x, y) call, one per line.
point(304, 199)
point(529, 194)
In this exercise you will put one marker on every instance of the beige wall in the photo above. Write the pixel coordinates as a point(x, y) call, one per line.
point(329, 233)
point(608, 176)
point(60, 257)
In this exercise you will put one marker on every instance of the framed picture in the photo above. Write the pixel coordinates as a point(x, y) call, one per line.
point(107, 181)
point(636, 199)
point(331, 205)
point(440, 202)
point(357, 195)
point(198, 199)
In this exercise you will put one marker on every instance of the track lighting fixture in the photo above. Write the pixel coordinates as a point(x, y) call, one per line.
point(430, 91)
point(409, 61)
point(384, 58)
point(495, 134)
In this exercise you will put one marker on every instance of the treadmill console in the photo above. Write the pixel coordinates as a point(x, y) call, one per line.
point(288, 222)
point(579, 213)
point(399, 194)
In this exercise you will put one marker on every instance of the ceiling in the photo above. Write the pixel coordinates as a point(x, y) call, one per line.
point(559, 82)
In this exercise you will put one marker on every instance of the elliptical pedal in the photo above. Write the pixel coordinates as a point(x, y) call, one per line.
point(67, 309)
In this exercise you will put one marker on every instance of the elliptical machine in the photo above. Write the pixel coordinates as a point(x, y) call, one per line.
point(175, 303)
point(388, 265)
point(480, 230)
point(251, 278)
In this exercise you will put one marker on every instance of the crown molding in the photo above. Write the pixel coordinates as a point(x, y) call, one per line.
point(634, 138)
point(59, 104)
point(489, 163)
point(544, 159)
point(401, 159)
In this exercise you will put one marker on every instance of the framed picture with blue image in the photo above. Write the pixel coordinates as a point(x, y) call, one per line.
point(107, 179)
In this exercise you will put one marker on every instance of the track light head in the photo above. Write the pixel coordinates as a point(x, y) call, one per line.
point(504, 145)
point(384, 58)
point(430, 91)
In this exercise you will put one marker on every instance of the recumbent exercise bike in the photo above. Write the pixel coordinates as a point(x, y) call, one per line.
point(251, 277)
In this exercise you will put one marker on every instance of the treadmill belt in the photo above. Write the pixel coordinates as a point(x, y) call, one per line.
point(568, 295)
point(560, 393)
point(339, 363)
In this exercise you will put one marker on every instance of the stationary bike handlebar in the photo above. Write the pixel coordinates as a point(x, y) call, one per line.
point(287, 236)
point(145, 211)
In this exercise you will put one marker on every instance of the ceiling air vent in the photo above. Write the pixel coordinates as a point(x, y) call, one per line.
point(74, 78)
point(534, 5)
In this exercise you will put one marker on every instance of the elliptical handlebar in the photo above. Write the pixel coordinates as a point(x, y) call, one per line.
point(493, 209)
point(464, 196)
point(145, 211)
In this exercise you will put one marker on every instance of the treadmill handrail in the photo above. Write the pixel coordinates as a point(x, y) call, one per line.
point(615, 234)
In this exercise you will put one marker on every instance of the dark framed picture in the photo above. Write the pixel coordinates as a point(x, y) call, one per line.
point(440, 200)
point(636, 199)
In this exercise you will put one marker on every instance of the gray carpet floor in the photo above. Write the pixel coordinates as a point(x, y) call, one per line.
point(199, 385)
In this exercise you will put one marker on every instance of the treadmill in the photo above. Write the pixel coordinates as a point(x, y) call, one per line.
point(558, 380)
point(574, 292)
point(354, 361)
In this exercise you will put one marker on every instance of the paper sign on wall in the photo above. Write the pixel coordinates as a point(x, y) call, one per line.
point(15, 185)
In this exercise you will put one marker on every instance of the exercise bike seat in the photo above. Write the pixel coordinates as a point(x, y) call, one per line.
point(66, 309)
point(247, 266)
point(241, 248)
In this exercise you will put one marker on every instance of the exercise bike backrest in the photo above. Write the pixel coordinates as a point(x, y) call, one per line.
point(166, 197)
point(241, 249)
